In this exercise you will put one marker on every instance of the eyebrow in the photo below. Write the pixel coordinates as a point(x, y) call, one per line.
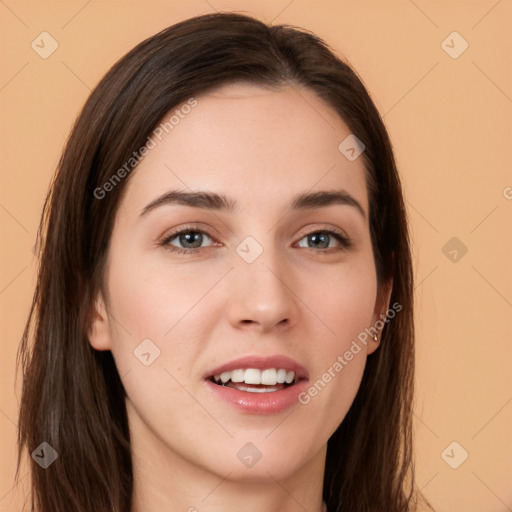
point(214, 201)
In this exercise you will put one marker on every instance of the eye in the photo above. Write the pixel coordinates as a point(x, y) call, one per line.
point(190, 239)
point(322, 239)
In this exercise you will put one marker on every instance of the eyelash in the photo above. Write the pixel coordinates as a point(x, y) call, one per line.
point(344, 241)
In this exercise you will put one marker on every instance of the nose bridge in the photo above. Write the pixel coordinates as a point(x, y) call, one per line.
point(263, 291)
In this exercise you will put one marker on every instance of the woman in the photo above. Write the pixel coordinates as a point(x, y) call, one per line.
point(269, 364)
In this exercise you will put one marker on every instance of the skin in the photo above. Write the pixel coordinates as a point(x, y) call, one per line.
point(261, 148)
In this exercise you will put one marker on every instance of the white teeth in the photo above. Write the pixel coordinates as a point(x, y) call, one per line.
point(268, 377)
point(252, 376)
point(237, 375)
point(281, 376)
point(257, 390)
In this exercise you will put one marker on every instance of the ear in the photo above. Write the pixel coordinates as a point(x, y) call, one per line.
point(379, 313)
point(99, 327)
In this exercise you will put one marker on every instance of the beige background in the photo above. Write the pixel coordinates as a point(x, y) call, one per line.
point(448, 120)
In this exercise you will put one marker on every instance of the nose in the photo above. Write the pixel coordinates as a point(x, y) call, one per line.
point(263, 296)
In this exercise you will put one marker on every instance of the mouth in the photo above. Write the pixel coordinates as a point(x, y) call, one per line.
point(254, 380)
point(258, 384)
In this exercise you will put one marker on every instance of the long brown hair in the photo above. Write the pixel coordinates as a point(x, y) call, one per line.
point(72, 396)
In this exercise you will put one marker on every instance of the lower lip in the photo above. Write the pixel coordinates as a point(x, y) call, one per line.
point(259, 403)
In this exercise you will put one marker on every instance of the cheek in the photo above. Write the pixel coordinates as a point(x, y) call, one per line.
point(343, 301)
point(344, 309)
point(152, 299)
point(154, 344)
point(154, 335)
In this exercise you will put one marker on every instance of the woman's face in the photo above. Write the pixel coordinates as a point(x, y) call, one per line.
point(263, 281)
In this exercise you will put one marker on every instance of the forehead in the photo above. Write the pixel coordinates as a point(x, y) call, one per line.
point(258, 145)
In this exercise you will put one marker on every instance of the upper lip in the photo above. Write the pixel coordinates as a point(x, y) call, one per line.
point(260, 362)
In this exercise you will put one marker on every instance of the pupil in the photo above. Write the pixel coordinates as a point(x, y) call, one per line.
point(318, 236)
point(193, 235)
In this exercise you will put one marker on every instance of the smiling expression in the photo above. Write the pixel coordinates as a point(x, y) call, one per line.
point(243, 234)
